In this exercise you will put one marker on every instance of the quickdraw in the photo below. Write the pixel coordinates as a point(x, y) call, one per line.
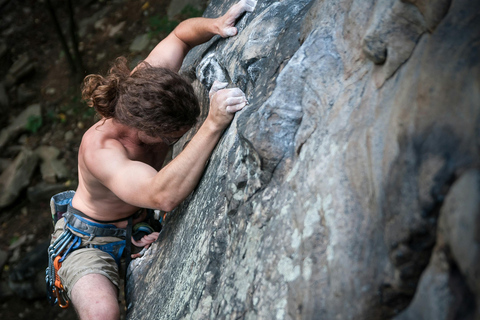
point(57, 252)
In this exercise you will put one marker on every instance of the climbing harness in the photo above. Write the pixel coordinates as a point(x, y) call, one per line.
point(68, 241)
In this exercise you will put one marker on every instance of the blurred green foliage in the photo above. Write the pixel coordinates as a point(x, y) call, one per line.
point(162, 25)
point(77, 107)
point(14, 239)
point(88, 113)
point(190, 12)
point(74, 110)
point(34, 123)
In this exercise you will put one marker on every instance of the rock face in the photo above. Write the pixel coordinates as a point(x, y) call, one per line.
point(347, 188)
point(450, 286)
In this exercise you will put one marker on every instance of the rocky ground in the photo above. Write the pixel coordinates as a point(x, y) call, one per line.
point(43, 119)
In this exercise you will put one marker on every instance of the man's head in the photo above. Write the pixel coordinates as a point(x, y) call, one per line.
point(156, 101)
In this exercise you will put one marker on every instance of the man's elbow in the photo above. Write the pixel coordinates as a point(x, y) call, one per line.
point(169, 207)
point(165, 202)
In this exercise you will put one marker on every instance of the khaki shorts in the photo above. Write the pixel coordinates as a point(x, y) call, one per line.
point(85, 261)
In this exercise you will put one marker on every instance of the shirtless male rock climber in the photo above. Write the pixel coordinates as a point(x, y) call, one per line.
point(143, 111)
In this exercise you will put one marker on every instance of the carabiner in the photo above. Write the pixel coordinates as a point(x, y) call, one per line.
point(62, 304)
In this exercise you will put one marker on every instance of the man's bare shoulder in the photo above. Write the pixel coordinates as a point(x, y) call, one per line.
point(101, 136)
point(100, 151)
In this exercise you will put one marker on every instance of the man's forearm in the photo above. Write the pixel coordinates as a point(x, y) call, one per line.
point(196, 31)
point(180, 177)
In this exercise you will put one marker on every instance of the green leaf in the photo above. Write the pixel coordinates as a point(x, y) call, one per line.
point(34, 123)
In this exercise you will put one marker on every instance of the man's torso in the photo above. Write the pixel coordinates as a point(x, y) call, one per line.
point(92, 197)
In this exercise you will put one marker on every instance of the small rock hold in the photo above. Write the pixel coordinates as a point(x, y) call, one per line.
point(374, 49)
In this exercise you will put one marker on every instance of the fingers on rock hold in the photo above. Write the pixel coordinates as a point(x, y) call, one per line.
point(237, 107)
point(230, 32)
point(231, 101)
point(237, 92)
point(216, 86)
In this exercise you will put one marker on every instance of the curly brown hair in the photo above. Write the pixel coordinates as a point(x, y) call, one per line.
point(152, 99)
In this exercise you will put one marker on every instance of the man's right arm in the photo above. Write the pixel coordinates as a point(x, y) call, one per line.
point(141, 185)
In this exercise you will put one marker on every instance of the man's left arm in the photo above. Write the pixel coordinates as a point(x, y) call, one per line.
point(171, 51)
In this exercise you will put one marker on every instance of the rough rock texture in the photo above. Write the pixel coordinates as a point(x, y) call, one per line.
point(19, 124)
point(346, 189)
point(17, 176)
point(51, 167)
point(450, 286)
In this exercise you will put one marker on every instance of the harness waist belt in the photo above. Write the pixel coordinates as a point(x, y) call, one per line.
point(77, 212)
point(89, 228)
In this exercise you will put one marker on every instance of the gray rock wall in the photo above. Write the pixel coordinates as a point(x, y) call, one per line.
point(337, 193)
